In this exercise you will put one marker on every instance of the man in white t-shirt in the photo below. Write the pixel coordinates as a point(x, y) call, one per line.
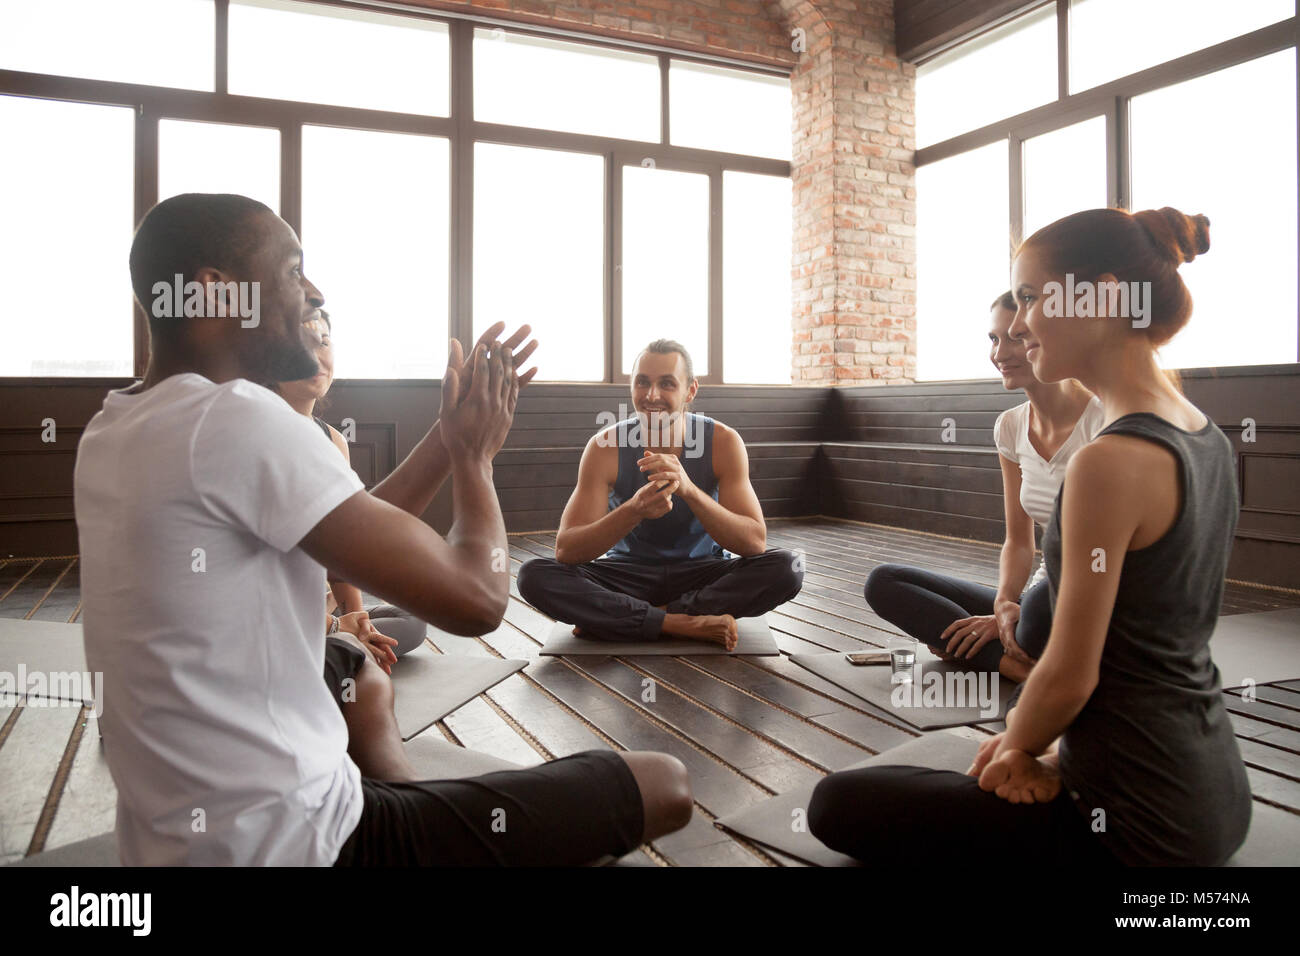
point(198, 491)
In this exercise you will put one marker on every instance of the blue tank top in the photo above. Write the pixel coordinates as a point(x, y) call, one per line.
point(678, 534)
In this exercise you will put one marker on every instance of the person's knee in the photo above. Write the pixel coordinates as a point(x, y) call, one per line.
point(665, 786)
point(825, 810)
point(880, 584)
point(1035, 625)
point(407, 630)
point(854, 809)
point(786, 570)
point(531, 579)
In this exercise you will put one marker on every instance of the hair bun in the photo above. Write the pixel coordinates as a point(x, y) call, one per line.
point(1179, 237)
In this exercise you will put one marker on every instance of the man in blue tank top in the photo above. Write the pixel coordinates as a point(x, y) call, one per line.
point(663, 534)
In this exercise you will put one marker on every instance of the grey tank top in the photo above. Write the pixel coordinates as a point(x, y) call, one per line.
point(1153, 749)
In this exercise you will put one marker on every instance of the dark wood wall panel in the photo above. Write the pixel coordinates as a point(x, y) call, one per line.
point(950, 485)
point(538, 468)
point(868, 454)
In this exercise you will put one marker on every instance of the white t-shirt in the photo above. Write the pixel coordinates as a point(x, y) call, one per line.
point(205, 618)
point(1040, 481)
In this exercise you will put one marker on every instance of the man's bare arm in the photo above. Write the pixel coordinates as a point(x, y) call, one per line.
point(449, 583)
point(459, 584)
point(588, 528)
point(413, 484)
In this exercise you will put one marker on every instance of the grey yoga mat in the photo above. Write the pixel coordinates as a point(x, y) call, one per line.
point(925, 702)
point(428, 686)
point(781, 822)
point(432, 757)
point(1263, 647)
point(755, 639)
point(42, 658)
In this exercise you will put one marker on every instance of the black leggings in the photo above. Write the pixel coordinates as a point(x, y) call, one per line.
point(568, 812)
point(923, 604)
point(898, 816)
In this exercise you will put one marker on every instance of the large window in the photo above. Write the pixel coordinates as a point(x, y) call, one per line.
point(1064, 171)
point(219, 158)
point(442, 174)
point(376, 247)
point(573, 87)
point(1003, 72)
point(1011, 143)
point(65, 309)
point(757, 235)
point(964, 244)
point(289, 50)
point(665, 268)
point(160, 42)
point(1244, 288)
point(1112, 38)
point(539, 253)
point(723, 109)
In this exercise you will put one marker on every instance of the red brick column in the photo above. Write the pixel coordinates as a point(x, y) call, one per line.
point(854, 195)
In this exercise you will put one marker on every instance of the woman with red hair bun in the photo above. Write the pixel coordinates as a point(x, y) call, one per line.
point(1120, 750)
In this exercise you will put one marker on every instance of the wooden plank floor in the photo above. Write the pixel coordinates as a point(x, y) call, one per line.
point(746, 728)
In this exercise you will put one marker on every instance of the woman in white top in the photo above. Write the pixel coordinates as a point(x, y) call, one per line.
point(1003, 629)
point(386, 631)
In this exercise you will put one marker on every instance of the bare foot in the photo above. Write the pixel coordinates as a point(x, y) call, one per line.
point(711, 628)
point(1019, 778)
point(1013, 669)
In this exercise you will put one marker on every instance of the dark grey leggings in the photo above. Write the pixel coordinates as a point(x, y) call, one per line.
point(899, 816)
point(922, 604)
point(619, 598)
point(402, 626)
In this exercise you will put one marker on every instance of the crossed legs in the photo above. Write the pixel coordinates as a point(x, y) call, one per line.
point(639, 796)
point(922, 604)
point(630, 599)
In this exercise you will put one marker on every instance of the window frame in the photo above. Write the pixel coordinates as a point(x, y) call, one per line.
point(460, 128)
point(1110, 100)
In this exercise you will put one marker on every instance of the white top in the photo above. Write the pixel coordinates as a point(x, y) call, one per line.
point(206, 620)
point(1040, 481)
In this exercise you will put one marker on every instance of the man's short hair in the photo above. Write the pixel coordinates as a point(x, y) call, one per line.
point(186, 233)
point(1006, 300)
point(667, 346)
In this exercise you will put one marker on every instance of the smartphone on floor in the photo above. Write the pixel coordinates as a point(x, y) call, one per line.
point(864, 658)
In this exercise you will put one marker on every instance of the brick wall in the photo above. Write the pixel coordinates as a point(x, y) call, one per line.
point(854, 139)
point(855, 197)
point(742, 29)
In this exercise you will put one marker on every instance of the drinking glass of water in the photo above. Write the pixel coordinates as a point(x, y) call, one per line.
point(902, 657)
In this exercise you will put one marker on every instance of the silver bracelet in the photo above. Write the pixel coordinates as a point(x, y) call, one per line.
point(334, 626)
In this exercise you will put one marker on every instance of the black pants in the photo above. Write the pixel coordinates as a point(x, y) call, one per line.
point(568, 812)
point(900, 816)
point(922, 604)
point(618, 598)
